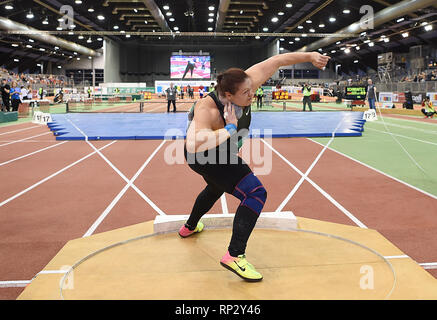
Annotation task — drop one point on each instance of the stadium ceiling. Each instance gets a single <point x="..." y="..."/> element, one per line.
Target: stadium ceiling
<point x="303" y="17"/>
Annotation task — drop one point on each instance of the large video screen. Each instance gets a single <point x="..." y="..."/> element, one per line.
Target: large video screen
<point x="190" y="67"/>
<point x="355" y="93"/>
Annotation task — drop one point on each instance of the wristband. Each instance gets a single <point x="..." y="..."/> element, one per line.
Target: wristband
<point x="232" y="128"/>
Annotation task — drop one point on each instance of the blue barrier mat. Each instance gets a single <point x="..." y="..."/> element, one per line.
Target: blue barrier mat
<point x="109" y="126"/>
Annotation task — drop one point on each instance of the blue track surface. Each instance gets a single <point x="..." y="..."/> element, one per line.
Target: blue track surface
<point x="110" y="126"/>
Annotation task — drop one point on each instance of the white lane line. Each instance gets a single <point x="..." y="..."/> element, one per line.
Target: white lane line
<point x="404" y="256"/>
<point x="120" y="194"/>
<point x="9" y="132"/>
<point x="32" y="153"/>
<point x="428" y="266"/>
<point x="323" y="192"/>
<point x="413" y="121"/>
<point x="38" y="135"/>
<point x="304" y="177"/>
<point x="379" y="171"/>
<point x="51" y="176"/>
<point x="224" y="204"/>
<point x="142" y="195"/>
<point x="14" y="284"/>
<point x="402" y="136"/>
<point x="406" y="127"/>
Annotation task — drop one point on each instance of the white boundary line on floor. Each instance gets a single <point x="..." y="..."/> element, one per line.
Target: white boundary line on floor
<point x="52" y="176"/>
<point x="305" y="176"/>
<point x="16" y="141"/>
<point x="32" y="153"/>
<point x="224" y="204"/>
<point x="14" y="284"/>
<point x="429" y="265"/>
<point x="406" y="127"/>
<point x="374" y="169"/>
<point x="122" y="192"/>
<point x="142" y="195"/>
<point x="402" y="136"/>
<point x="323" y="192"/>
<point x="9" y="132"/>
<point x="411" y="120"/>
<point x="404" y="256"/>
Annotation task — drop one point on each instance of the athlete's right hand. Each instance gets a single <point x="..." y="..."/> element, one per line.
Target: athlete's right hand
<point x="230" y="116"/>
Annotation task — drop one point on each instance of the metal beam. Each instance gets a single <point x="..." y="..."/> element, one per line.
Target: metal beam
<point x="9" y="25"/>
<point x="221" y="14"/>
<point x="157" y="14"/>
<point x="380" y="18"/>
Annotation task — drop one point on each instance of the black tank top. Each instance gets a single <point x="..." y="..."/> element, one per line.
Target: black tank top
<point x="243" y="124"/>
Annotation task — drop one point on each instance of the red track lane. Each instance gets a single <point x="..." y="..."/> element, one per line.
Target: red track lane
<point x="26" y="134"/>
<point x="35" y="226"/>
<point x="18" y="126"/>
<point x="12" y="152"/>
<point x="403" y="215"/>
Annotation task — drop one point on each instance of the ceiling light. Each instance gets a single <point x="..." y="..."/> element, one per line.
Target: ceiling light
<point x="59" y="28"/>
<point x="116" y="27"/>
<point x="128" y="36"/>
<point x="346" y="11"/>
<point x="9" y="7"/>
<point x="61" y="19"/>
<point x="357" y="48"/>
<point x="241" y="11"/>
<point x="275" y="19"/>
<point x="333" y="51"/>
<point x="80" y="37"/>
<point x="282" y="39"/>
<point x="332" y="19"/>
<point x="371" y="44"/>
<point x="257" y="37"/>
<point x="56" y="48"/>
<point x="280" y="13"/>
<point x="210" y="20"/>
<point x="308" y="21"/>
<point x="171" y="19"/>
<point x="77" y="59"/>
<point x="46" y="21"/>
<point x="100" y="17"/>
<point x="31" y="40"/>
<point x="29" y="15"/>
<point x="211" y="14"/>
<point x="312" y="30"/>
<point x="16" y="60"/>
<point x="59" y="67"/>
<point x="211" y="8"/>
<point x="347" y="50"/>
<point x="89" y="40"/>
<point x="15" y="45"/>
<point x="400" y="20"/>
<point x="300" y="27"/>
<point x="166" y="7"/>
<point x="28" y="46"/>
<point x="265" y="29"/>
<point x="42" y="49"/>
<point x="281" y="48"/>
<point x="290" y="42"/>
<point x="78" y="1"/>
<point x="168" y="14"/>
<point x="135" y="10"/>
<point x="405" y="34"/>
<point x="304" y="35"/>
<point x="90" y="10"/>
<point x="297" y="39"/>
<point x="355" y="61"/>
<point x="288" y="5"/>
<point x="321" y="25"/>
<point x="99" y="39"/>
<point x="210" y="29"/>
<point x="338" y="42"/>
<point x="176" y="28"/>
<point x="428" y="27"/>
<point x="367" y="41"/>
<point x="386" y="39"/>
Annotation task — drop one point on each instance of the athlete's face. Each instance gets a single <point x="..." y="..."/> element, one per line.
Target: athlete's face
<point x="244" y="94"/>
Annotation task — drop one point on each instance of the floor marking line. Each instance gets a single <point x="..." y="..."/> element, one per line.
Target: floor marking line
<point x="224" y="204"/>
<point x="14" y="284"/>
<point x="407" y="127"/>
<point x="402" y="136"/>
<point x="379" y="171"/>
<point x="32" y="153"/>
<point x="323" y="192"/>
<point x="428" y="266"/>
<point x="108" y="209"/>
<point x="51" y="176"/>
<point x="150" y="202"/>
<point x="404" y="256"/>
<point x="38" y="135"/>
<point x="311" y="167"/>
<point x="9" y="132"/>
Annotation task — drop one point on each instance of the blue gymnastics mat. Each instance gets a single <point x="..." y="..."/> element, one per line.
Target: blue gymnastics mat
<point x="158" y="126"/>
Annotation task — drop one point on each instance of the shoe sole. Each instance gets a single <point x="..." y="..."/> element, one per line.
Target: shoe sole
<point x="244" y="278"/>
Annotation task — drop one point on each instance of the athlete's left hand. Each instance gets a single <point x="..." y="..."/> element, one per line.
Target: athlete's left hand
<point x="319" y="60"/>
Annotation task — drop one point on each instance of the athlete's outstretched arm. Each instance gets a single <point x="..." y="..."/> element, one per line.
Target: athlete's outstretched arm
<point x="261" y="72"/>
